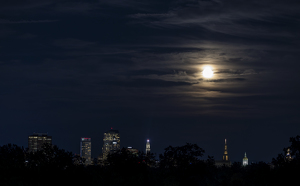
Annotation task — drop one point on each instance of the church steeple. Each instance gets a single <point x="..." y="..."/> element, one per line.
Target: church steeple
<point x="225" y="156"/>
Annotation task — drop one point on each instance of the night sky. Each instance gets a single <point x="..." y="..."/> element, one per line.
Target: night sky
<point x="77" y="68"/>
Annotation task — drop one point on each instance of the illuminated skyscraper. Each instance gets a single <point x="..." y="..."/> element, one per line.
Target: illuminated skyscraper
<point x="225" y="161"/>
<point x="245" y="160"/>
<point x="225" y="156"/>
<point x="37" y="140"/>
<point x="86" y="150"/>
<point x="111" y="142"/>
<point x="148" y="146"/>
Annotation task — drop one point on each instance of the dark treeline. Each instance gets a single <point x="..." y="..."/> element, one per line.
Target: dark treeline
<point x="177" y="166"/>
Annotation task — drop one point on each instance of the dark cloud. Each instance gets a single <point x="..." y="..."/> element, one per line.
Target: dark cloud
<point x="224" y="80"/>
<point x="145" y="72"/>
<point x="260" y="19"/>
<point x="238" y="72"/>
<point x="138" y="83"/>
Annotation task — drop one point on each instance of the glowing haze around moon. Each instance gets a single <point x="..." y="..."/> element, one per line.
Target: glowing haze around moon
<point x="208" y="72"/>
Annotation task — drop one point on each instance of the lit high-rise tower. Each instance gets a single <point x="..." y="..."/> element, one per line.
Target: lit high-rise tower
<point x="225" y="161"/>
<point x="111" y="142"/>
<point x="148" y="146"/>
<point x="86" y="150"/>
<point x="37" y="140"/>
<point x="225" y="156"/>
<point x="245" y="160"/>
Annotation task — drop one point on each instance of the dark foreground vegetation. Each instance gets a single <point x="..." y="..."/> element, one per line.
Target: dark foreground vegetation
<point x="177" y="166"/>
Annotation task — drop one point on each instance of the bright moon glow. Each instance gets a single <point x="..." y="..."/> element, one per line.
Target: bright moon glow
<point x="207" y="72"/>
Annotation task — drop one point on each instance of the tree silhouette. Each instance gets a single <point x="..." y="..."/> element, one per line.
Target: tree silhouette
<point x="181" y="156"/>
<point x="12" y="156"/>
<point x="294" y="149"/>
<point x="286" y="169"/>
<point x="122" y="157"/>
<point x="50" y="157"/>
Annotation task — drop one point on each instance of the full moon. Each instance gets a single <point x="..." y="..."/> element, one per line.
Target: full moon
<point x="208" y="72"/>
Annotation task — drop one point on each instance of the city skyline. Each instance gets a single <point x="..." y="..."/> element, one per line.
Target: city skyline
<point x="110" y="136"/>
<point x="174" y="71"/>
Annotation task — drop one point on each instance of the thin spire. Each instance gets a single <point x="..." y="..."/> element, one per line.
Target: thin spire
<point x="225" y="156"/>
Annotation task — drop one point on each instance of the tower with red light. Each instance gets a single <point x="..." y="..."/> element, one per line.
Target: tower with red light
<point x="86" y="150"/>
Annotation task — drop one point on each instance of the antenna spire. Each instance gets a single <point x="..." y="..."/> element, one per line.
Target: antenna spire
<point x="225" y="156"/>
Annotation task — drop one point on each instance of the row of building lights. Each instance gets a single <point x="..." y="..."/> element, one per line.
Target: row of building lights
<point x="111" y="144"/>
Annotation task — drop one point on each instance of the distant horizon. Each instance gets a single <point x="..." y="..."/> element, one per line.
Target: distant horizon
<point x="157" y="155"/>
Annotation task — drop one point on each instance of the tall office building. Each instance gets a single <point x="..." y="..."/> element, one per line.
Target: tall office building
<point x="37" y="140"/>
<point x="245" y="160"/>
<point x="225" y="161"/>
<point x="111" y="143"/>
<point x="148" y="146"/>
<point x="86" y="150"/>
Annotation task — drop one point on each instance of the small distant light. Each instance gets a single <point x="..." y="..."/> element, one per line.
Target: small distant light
<point x="129" y="147"/>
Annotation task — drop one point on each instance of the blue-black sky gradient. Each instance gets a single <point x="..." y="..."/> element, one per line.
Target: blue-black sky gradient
<point x="77" y="68"/>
